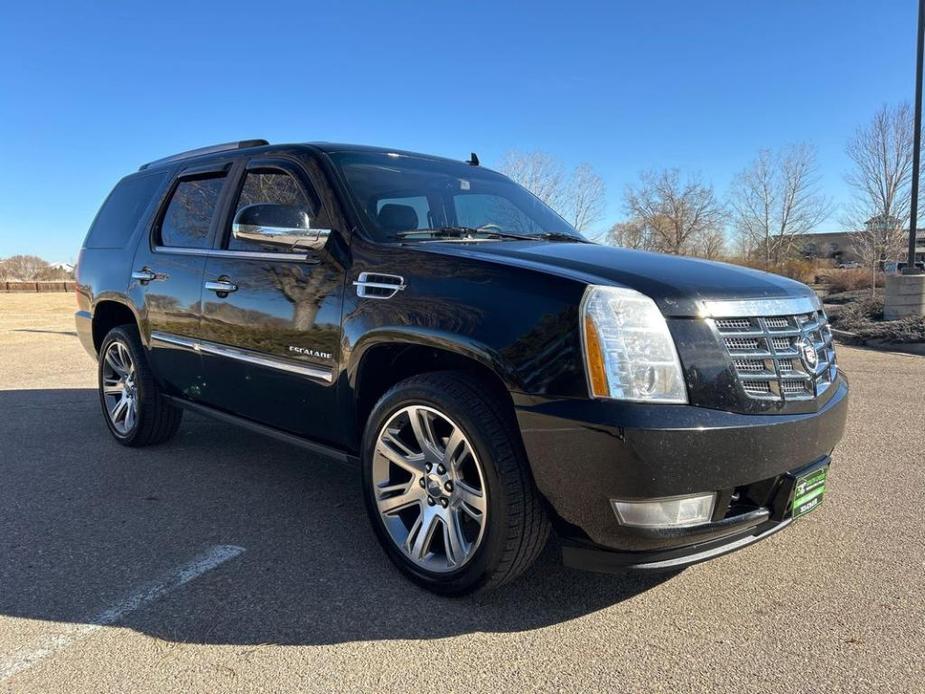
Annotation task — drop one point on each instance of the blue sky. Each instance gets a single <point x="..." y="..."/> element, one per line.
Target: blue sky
<point x="89" y="91"/>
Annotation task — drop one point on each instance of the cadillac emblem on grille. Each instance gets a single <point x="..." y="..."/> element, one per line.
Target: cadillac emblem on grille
<point x="807" y="353"/>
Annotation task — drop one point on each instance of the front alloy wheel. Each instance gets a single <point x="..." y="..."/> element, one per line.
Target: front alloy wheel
<point x="447" y="484"/>
<point x="430" y="489"/>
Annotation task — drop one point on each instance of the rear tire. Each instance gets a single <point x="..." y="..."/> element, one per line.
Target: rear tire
<point x="457" y="413"/>
<point x="134" y="410"/>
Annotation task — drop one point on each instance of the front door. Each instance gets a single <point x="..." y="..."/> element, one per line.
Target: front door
<point x="270" y="330"/>
<point x="167" y="277"/>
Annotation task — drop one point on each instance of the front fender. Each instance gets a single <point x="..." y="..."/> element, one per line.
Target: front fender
<point x="520" y="323"/>
<point x="418" y="336"/>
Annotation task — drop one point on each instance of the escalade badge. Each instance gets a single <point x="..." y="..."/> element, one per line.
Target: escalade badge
<point x="308" y="352"/>
<point x="807" y="353"/>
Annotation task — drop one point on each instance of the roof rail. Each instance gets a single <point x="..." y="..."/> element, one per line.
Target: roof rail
<point x="212" y="149"/>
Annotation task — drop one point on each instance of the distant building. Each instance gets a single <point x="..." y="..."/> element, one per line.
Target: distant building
<point x="839" y="246"/>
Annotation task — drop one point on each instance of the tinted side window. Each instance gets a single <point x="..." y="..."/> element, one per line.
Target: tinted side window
<point x="272" y="187"/>
<point x="122" y="211"/>
<point x="188" y="217"/>
<point x="401" y="219"/>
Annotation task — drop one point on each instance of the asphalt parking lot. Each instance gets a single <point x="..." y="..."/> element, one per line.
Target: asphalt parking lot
<point x="224" y="561"/>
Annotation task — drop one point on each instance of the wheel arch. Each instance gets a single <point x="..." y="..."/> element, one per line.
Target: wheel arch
<point x="107" y="314"/>
<point x="384" y="360"/>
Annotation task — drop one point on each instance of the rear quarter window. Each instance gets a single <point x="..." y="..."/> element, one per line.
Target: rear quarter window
<point x="122" y="210"/>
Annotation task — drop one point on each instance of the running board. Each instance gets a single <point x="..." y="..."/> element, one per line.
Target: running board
<point x="335" y="454"/>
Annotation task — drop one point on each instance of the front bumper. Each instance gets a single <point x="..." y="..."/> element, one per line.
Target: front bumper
<point x="591" y="558"/>
<point x="585" y="452"/>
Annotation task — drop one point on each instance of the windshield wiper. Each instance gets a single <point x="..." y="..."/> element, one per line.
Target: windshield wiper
<point x="458" y="232"/>
<point x="561" y="236"/>
<point x="543" y="235"/>
<point x="450" y="232"/>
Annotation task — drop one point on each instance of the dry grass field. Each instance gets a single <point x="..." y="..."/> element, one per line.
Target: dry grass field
<point x="38" y="344"/>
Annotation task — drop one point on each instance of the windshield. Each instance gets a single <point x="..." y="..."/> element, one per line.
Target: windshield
<point x="396" y="194"/>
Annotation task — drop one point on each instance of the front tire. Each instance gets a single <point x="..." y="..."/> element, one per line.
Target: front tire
<point x="135" y="411"/>
<point x="447" y="485"/>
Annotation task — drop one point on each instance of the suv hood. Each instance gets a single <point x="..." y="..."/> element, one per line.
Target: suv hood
<point x="677" y="284"/>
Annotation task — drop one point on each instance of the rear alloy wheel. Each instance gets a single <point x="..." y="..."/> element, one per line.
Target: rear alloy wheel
<point x="120" y="394"/>
<point x="447" y="484"/>
<point x="135" y="411"/>
<point x="430" y="488"/>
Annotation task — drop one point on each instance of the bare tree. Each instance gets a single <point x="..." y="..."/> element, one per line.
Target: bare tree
<point x="586" y="196"/>
<point x="539" y="172"/>
<point x="743" y="246"/>
<point x="881" y="153"/>
<point x="776" y="199"/>
<point x="678" y="214"/>
<point x="711" y="244"/>
<point x="578" y="197"/>
<point x="881" y="238"/>
<point x="631" y="234"/>
<point x="24" y="268"/>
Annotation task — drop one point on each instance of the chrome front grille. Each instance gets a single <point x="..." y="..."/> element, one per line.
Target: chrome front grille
<point x="732" y="323"/>
<point x="773" y="354"/>
<point x="782" y="344"/>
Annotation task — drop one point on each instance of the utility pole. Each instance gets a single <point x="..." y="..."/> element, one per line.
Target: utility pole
<point x="916" y="144"/>
<point x="905" y="293"/>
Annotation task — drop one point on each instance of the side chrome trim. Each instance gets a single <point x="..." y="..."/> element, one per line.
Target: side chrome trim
<point x="174" y="340"/>
<point x="251" y="255"/>
<point x="748" y="308"/>
<point x="319" y="373"/>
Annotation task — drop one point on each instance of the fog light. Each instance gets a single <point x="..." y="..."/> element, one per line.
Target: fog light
<point x="670" y="512"/>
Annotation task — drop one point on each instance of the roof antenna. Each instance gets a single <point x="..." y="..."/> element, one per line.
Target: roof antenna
<point x="473" y="159"/>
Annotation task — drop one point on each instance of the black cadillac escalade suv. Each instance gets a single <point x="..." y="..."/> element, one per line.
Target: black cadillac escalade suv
<point x="491" y="373"/>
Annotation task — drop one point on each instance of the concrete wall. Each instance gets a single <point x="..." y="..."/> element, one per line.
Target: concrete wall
<point x="905" y="296"/>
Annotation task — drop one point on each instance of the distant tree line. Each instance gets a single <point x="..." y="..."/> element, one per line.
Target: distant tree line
<point x="31" y="268"/>
<point x="763" y="217"/>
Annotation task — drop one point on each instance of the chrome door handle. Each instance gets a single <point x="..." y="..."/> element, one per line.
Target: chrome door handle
<point x="221" y="287"/>
<point x="144" y="275"/>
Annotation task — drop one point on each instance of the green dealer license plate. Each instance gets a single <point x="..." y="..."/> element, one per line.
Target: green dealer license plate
<point x="808" y="492"/>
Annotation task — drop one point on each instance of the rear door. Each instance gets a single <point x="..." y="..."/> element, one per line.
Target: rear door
<point x="271" y="317"/>
<point x="167" y="274"/>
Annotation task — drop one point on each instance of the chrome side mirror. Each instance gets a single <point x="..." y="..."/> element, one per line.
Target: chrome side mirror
<point x="284" y="226"/>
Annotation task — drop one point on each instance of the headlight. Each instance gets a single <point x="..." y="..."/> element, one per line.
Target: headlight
<point x="629" y="353"/>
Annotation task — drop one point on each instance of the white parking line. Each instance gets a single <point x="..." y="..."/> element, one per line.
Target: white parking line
<point x="215" y="556"/>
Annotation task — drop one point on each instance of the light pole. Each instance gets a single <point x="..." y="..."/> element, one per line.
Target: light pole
<point x="905" y="293"/>
<point x="916" y="144"/>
